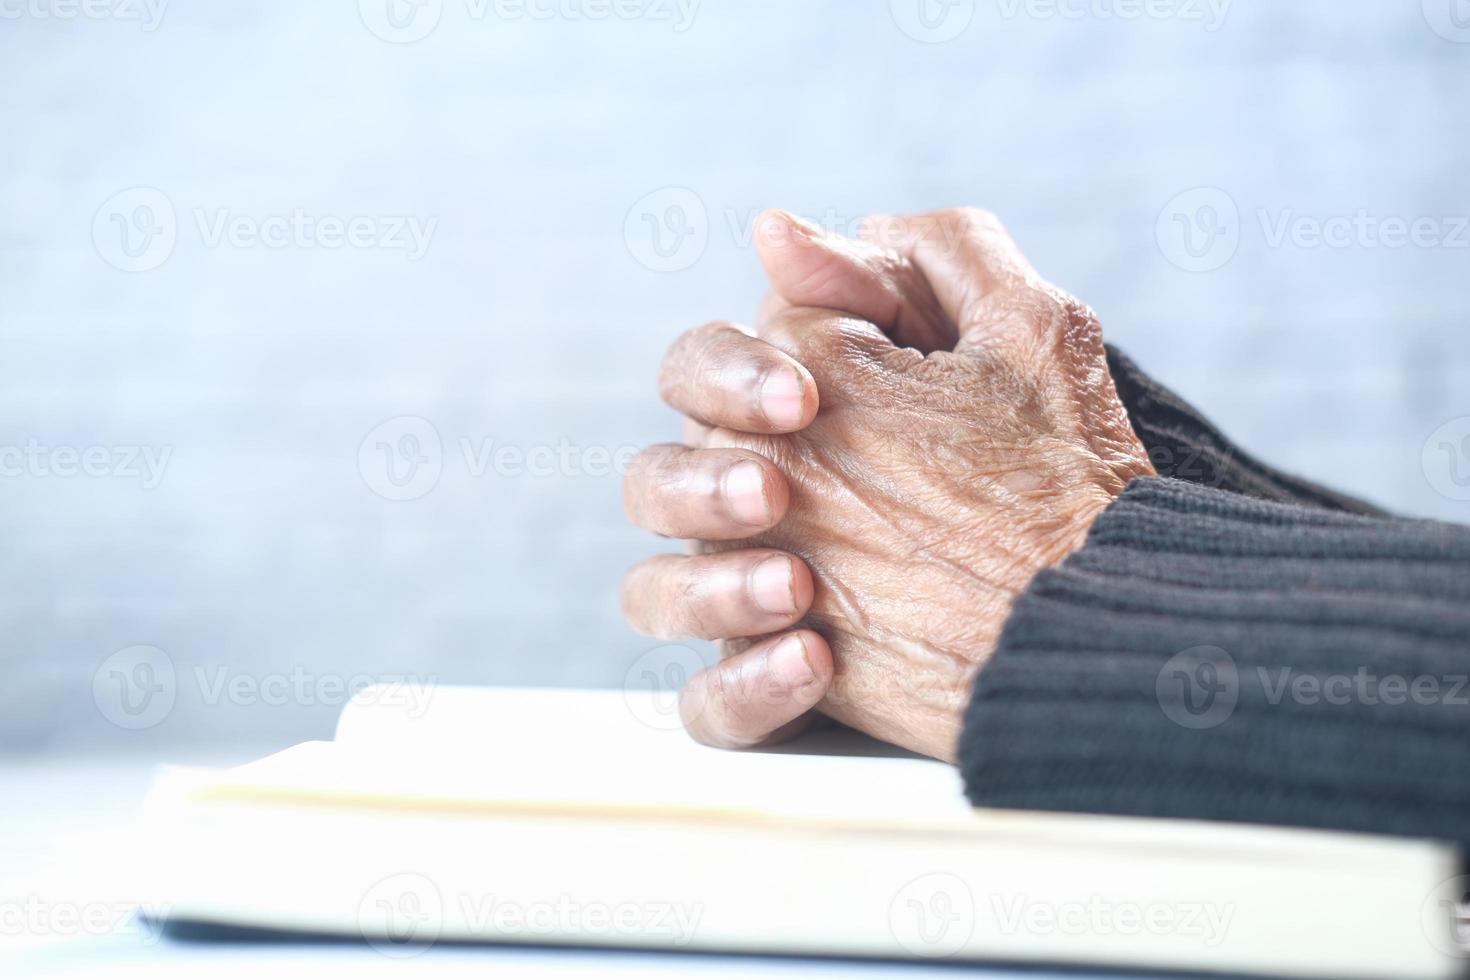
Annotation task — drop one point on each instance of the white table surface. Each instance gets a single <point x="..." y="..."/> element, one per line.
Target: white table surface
<point x="65" y="848"/>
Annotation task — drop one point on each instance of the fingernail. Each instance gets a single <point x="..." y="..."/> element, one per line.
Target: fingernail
<point x="789" y="663"/>
<point x="744" y="487"/>
<point x="770" y="584"/>
<point x="780" y="398"/>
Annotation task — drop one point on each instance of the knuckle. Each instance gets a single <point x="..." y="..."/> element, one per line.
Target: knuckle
<point x="714" y="330"/>
<point x="903" y="360"/>
<point x="815" y="335"/>
<point x="690" y="600"/>
<point x="708" y="364"/>
<point x="685" y="355"/>
<point x="878" y="227"/>
<point x="645" y="476"/>
<point x="971" y="218"/>
<point x="954" y="229"/>
<point x="645" y="460"/>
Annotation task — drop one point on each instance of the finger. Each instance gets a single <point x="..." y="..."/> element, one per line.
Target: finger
<point x="841" y="351"/>
<point x="810" y="267"/>
<point x="714" y="494"/>
<point x="712" y="597"/>
<point x="977" y="272"/>
<point x="723" y="377"/>
<point x="761" y="696"/>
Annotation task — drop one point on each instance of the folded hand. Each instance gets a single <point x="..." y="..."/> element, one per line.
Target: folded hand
<point x="897" y="523"/>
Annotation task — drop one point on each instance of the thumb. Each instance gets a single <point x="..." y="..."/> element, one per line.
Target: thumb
<point x="981" y="280"/>
<point x="809" y="267"/>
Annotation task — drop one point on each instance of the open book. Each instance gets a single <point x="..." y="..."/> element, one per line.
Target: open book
<point x="589" y="818"/>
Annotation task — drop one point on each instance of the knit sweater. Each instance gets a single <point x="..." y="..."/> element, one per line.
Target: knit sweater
<point x="1235" y="644"/>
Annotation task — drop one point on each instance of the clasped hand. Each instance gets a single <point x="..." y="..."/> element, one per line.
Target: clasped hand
<point x="916" y="426"/>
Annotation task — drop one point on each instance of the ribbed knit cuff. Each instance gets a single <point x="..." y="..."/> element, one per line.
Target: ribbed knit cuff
<point x="1183" y="445"/>
<point x="1211" y="656"/>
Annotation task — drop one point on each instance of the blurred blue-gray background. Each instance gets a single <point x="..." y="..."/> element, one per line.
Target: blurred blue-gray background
<point x="326" y="326"/>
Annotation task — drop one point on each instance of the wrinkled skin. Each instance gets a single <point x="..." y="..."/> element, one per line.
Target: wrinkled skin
<point x="932" y="485"/>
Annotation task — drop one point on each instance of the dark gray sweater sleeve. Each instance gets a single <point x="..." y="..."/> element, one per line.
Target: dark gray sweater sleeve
<point x="1184" y="445"/>
<point x="1209" y="655"/>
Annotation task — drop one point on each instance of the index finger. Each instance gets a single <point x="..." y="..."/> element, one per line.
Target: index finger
<point x="725" y="378"/>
